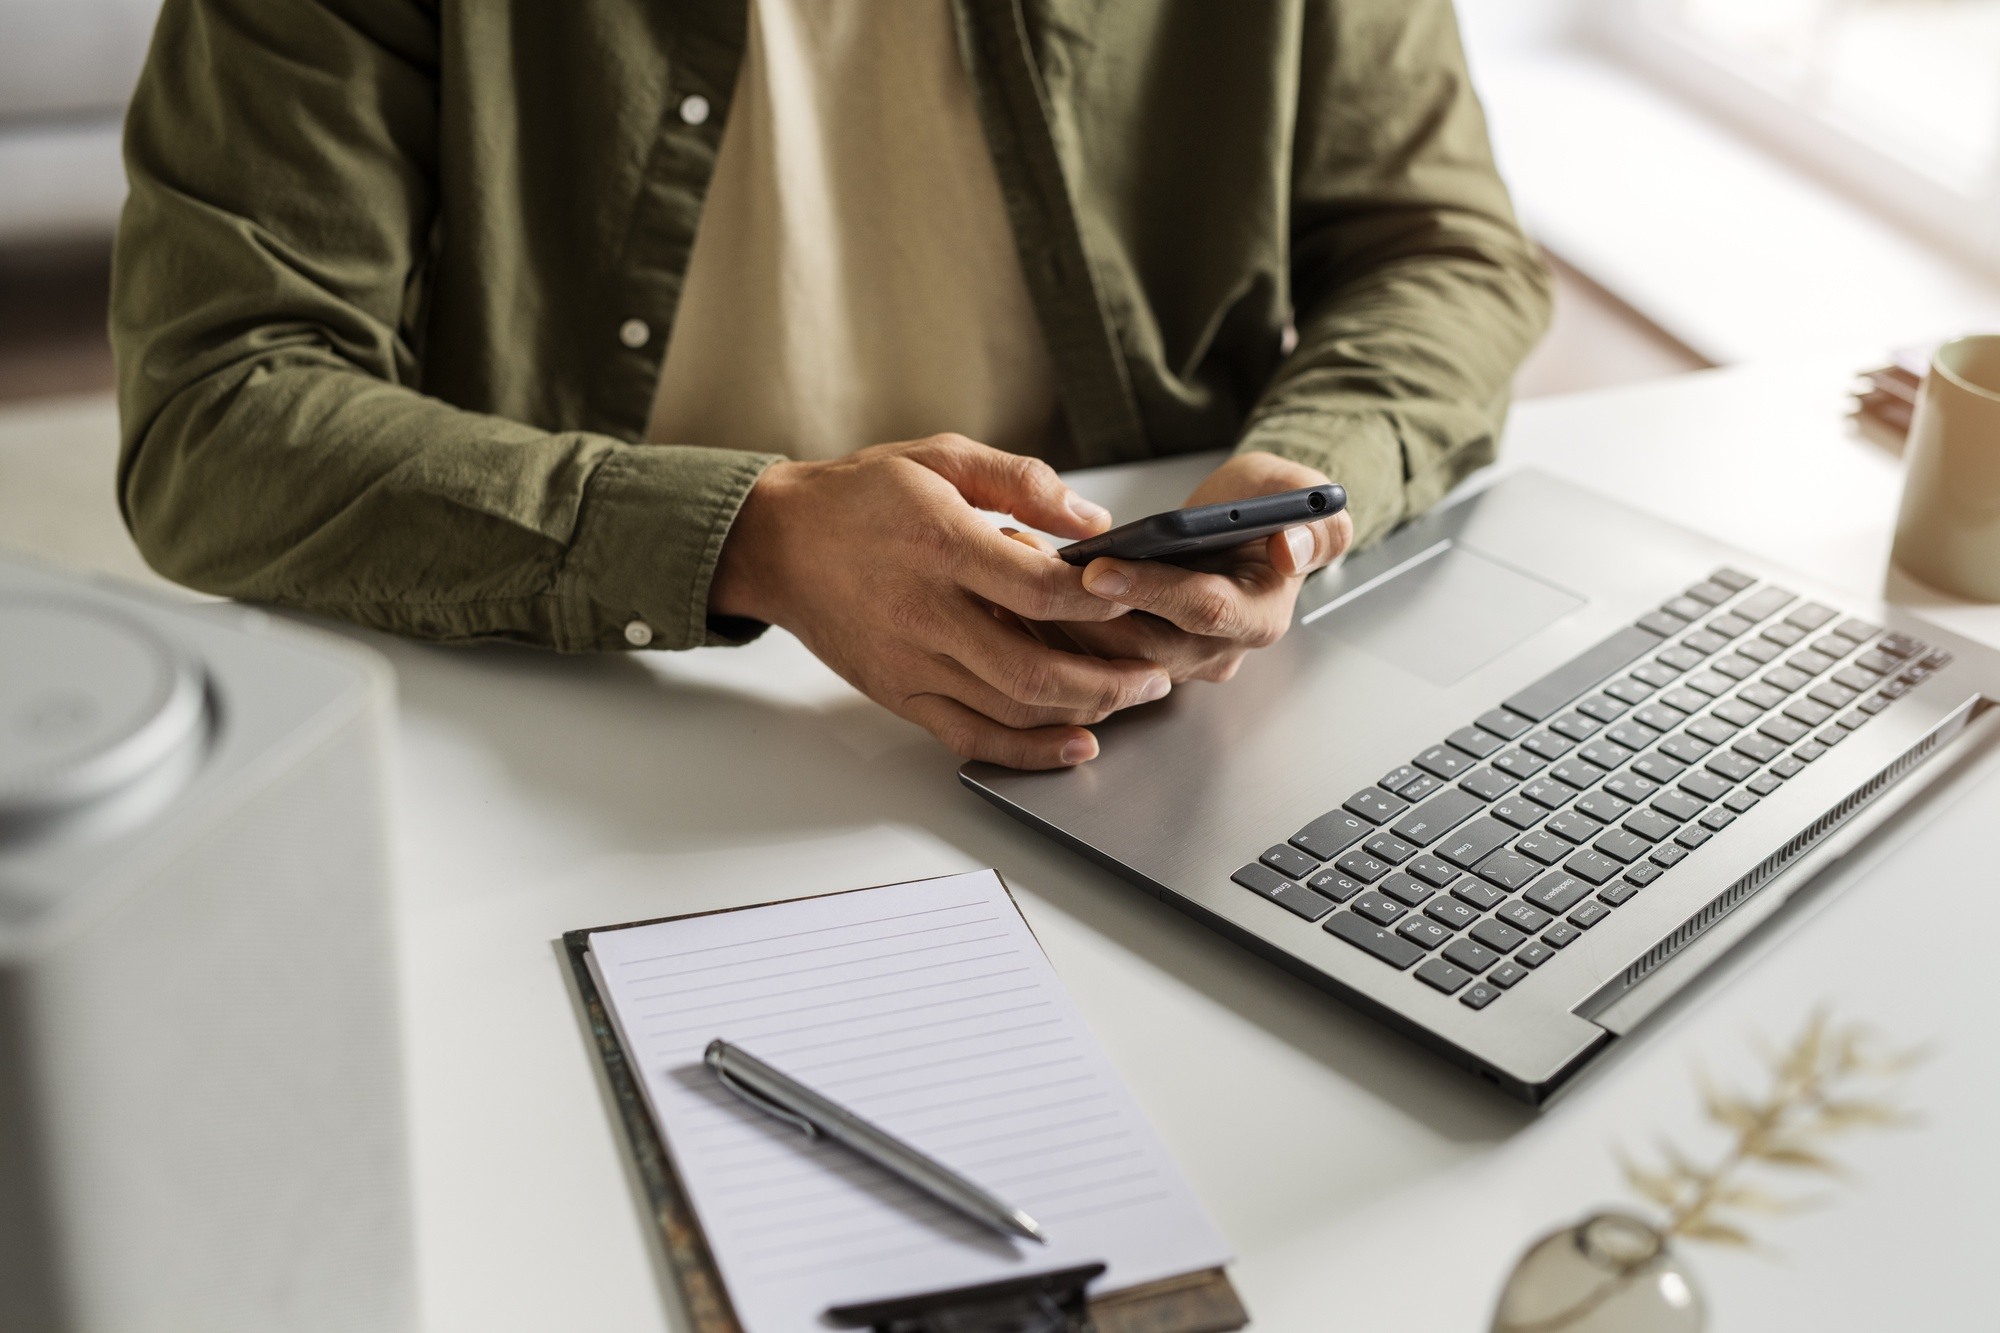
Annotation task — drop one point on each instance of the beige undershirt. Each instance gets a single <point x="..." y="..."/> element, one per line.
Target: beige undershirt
<point x="854" y="279"/>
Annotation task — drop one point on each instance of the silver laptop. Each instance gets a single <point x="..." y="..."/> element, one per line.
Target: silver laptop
<point x="1522" y="771"/>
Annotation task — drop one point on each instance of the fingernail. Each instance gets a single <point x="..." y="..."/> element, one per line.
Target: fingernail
<point x="1079" y="750"/>
<point x="1156" y="688"/>
<point x="1300" y="543"/>
<point x="1084" y="509"/>
<point x="1108" y="583"/>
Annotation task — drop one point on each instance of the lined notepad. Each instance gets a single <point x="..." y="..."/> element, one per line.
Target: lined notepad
<point x="929" y="1009"/>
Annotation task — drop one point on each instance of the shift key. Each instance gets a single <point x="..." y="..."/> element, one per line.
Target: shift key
<point x="1437" y="816"/>
<point x="1468" y="845"/>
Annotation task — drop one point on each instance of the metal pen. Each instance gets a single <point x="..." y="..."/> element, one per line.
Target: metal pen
<point x="789" y="1100"/>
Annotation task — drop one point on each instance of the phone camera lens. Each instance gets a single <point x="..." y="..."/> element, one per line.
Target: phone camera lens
<point x="1315" y="502"/>
<point x="1232" y="516"/>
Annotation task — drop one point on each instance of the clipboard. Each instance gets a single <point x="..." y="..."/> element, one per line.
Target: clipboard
<point x="1057" y="1302"/>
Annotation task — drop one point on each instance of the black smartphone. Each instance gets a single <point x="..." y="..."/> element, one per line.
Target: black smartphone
<point x="1181" y="533"/>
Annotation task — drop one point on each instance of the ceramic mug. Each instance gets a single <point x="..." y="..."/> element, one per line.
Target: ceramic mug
<point x="1948" y="533"/>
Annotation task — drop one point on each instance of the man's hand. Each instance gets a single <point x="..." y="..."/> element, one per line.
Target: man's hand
<point x="1203" y="620"/>
<point x="882" y="566"/>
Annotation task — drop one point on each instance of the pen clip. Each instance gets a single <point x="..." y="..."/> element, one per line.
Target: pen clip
<point x="761" y="1102"/>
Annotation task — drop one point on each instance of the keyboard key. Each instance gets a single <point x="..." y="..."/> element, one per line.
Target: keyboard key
<point x="1858" y="630"/>
<point x="1808" y="711"/>
<point x="1439" y="815"/>
<point x="1378" y="909"/>
<point x="1548" y="696"/>
<point x="1557" y="893"/>
<point x="1398" y="954"/>
<point x="1486" y="784"/>
<point x="1715" y="594"/>
<point x="1330" y="834"/>
<point x="1520" y="814"/>
<point x="1422" y="932"/>
<point x="1735" y="580"/>
<point x="1900" y="645"/>
<point x="1831" y="737"/>
<point x="1693" y="836"/>
<point x="1684" y="700"/>
<point x="1497" y="935"/>
<point x="1811" y="616"/>
<point x="1477" y="893"/>
<point x="1761" y="651"/>
<point x="1874" y="704"/>
<point x="1549" y="794"/>
<point x="1634" y="735"/>
<point x="1406" y="889"/>
<point x="1707" y="786"/>
<point x="1740" y="801"/>
<point x="1852" y="721"/>
<point x="1474" y="958"/>
<point x="1718" y="819"/>
<point x="1737" y="712"/>
<point x="1729" y="626"/>
<point x="1548" y="745"/>
<point x="1658" y="767"/>
<point x="1603" y="754"/>
<point x="1544" y="846"/>
<point x="1765" y="783"/>
<point x="1877" y="661"/>
<point x="1764" y="604"/>
<point x="1602" y="707"/>
<point x="1621" y="846"/>
<point x="1397" y="778"/>
<point x="1651" y="825"/>
<point x="1629" y="688"/>
<point x="1575" y="773"/>
<point x="1533" y="954"/>
<point x="1523" y="915"/>
<point x="1760" y="749"/>
<point x="1679" y="805"/>
<point x="1443" y="761"/>
<point x="1466" y="846"/>
<point x="1603" y="807"/>
<point x="1375" y="805"/>
<point x="1833" y="646"/>
<point x="1808" y="662"/>
<point x="1761" y="696"/>
<point x="1687" y="608"/>
<point x="1576" y="726"/>
<point x="1680" y="658"/>
<point x="1418" y="787"/>
<point x="1782" y="730"/>
<point x="1362" y="866"/>
<point x="1785" y="636"/>
<point x="1577" y="828"/>
<point x="1657" y="674"/>
<point x="1786" y="678"/>
<point x="1731" y="765"/>
<point x="1519" y="764"/>
<point x="1854" y="678"/>
<point x="1450" y="912"/>
<point x="1711" y="683"/>
<point x="1705" y="642"/>
<point x="1474" y="742"/>
<point x="1507" y="726"/>
<point x="1268" y="883"/>
<point x="1289" y="861"/>
<point x="1432" y="871"/>
<point x="1833" y="695"/>
<point x="1631" y="787"/>
<point x="1663" y="623"/>
<point x="1622" y="891"/>
<point x="1561" y="935"/>
<point x="1335" y="885"/>
<point x="1687" y="749"/>
<point x="1388" y="847"/>
<point x="1588" y="915"/>
<point x="1591" y="866"/>
<point x="1668" y="857"/>
<point x="1788" y="767"/>
<point x="1735" y="666"/>
<point x="1712" y="729"/>
<point x="1440" y="975"/>
<point x="1479" y="996"/>
<point x="1507" y="869"/>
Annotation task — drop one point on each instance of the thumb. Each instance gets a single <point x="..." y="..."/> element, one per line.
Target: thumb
<point x="1309" y="546"/>
<point x="1027" y="488"/>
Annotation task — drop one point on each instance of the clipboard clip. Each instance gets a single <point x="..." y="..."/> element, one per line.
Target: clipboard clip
<point x="1055" y="1302"/>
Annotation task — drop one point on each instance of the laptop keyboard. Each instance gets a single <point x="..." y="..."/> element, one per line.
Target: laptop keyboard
<point x="1478" y="860"/>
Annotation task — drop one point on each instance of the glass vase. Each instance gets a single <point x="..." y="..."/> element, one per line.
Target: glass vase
<point x="1610" y="1273"/>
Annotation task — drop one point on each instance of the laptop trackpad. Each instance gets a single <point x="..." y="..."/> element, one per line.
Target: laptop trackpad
<point x="1445" y="616"/>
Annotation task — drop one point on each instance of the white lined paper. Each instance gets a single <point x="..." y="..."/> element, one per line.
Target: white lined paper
<point x="929" y="1009"/>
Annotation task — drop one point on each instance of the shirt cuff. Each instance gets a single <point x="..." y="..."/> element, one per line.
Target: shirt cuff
<point x="648" y="536"/>
<point x="1361" y="451"/>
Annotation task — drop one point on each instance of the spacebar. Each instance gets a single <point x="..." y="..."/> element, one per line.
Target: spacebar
<point x="1540" y="701"/>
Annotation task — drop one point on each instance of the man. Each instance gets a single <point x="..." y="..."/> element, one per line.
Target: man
<point x="568" y="323"/>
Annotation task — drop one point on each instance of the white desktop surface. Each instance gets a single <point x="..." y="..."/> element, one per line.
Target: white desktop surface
<point x="1364" y="1184"/>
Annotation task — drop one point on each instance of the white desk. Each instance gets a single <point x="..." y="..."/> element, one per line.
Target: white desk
<point x="541" y="793"/>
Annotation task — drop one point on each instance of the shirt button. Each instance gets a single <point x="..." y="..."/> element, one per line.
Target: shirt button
<point x="694" y="109"/>
<point x="634" y="333"/>
<point x="638" y="633"/>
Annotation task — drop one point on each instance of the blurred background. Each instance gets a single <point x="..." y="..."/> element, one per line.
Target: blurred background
<point x="1714" y="181"/>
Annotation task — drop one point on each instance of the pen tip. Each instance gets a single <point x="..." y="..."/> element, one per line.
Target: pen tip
<point x="1030" y="1228"/>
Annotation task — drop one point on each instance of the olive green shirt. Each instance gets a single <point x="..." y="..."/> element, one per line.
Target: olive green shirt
<point x="395" y="279"/>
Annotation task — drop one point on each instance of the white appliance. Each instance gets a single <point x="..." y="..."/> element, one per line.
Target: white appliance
<point x="201" y="1100"/>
